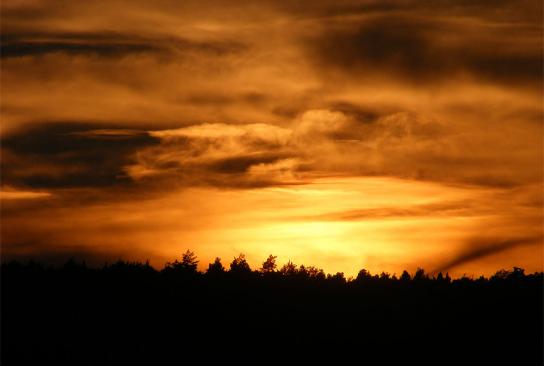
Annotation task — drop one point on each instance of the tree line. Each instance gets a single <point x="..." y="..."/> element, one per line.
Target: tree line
<point x="132" y="313"/>
<point x="187" y="267"/>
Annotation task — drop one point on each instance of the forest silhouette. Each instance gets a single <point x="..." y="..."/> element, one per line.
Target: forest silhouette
<point x="131" y="313"/>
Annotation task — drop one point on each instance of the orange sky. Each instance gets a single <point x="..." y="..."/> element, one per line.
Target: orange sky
<point x="346" y="134"/>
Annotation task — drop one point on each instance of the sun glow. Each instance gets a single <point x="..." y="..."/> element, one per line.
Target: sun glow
<point x="340" y="224"/>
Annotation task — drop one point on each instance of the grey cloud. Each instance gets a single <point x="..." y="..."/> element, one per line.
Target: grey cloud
<point x="241" y="164"/>
<point x="362" y="113"/>
<point x="214" y="155"/>
<point x="437" y="209"/>
<point x="220" y="99"/>
<point x="478" y="248"/>
<point x="403" y="145"/>
<point x="57" y="155"/>
<point x="421" y="49"/>
<point x="108" y="44"/>
<point x="505" y="11"/>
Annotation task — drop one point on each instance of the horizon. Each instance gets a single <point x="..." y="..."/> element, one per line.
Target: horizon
<point x="280" y="268"/>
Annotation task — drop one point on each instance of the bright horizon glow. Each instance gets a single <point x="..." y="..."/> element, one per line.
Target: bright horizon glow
<point x="338" y="224"/>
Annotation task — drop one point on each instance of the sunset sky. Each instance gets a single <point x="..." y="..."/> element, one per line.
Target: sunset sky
<point x="344" y="134"/>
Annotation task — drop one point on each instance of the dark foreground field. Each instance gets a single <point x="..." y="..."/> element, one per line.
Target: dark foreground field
<point x="129" y="313"/>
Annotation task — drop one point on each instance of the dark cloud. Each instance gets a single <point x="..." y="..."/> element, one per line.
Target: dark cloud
<point x="115" y="49"/>
<point x="107" y="44"/>
<point x="484" y="247"/>
<point x="457" y="208"/>
<point x="85" y="155"/>
<point x="57" y="155"/>
<point x="421" y="49"/>
<point x="230" y="172"/>
<point x="526" y="11"/>
<point x="221" y="99"/>
<point x="361" y="113"/>
<point x="241" y="164"/>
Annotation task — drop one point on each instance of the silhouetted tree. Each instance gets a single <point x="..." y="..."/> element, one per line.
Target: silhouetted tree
<point x="405" y="276"/>
<point x="420" y="275"/>
<point x="187" y="265"/>
<point x="289" y="269"/>
<point x="503" y="274"/>
<point x="315" y="273"/>
<point x="517" y="273"/>
<point x="302" y="272"/>
<point x="269" y="265"/>
<point x="384" y="276"/>
<point x="363" y="275"/>
<point x="129" y="268"/>
<point x="239" y="265"/>
<point x="189" y="261"/>
<point x="71" y="265"/>
<point x="338" y="278"/>
<point x="215" y="268"/>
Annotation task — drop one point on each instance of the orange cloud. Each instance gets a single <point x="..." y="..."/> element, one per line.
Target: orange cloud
<point x="263" y="128"/>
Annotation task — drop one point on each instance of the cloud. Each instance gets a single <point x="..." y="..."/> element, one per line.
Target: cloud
<point x="60" y="155"/>
<point x="9" y="193"/>
<point x="478" y="248"/>
<point x="215" y="154"/>
<point x="422" y="49"/>
<point x="430" y="210"/>
<point x="323" y="142"/>
<point x="503" y="10"/>
<point x="107" y="44"/>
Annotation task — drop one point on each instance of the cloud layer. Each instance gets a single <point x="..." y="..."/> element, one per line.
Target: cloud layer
<point x="113" y="103"/>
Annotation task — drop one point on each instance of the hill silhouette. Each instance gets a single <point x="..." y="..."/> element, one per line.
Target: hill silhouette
<point x="131" y="313"/>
